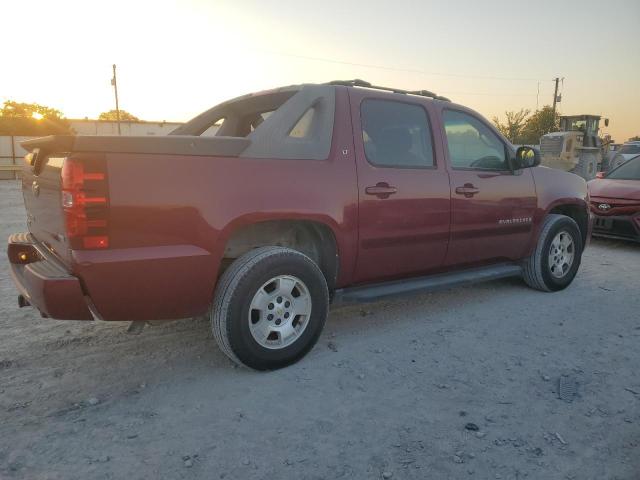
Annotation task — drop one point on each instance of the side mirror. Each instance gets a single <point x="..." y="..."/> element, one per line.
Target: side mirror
<point x="606" y="122"/>
<point x="526" y="157"/>
<point x="600" y="174"/>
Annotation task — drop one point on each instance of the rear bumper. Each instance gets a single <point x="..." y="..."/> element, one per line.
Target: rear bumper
<point x="44" y="282"/>
<point x="148" y="283"/>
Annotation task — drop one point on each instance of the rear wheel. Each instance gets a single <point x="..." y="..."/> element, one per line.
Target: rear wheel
<point x="269" y="308"/>
<point x="556" y="258"/>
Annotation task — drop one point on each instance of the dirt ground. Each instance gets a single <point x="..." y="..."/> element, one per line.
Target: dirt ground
<point x="452" y="385"/>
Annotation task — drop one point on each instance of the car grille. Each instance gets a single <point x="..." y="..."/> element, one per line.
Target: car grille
<point x="614" y="226"/>
<point x="551" y="145"/>
<point x="615" y="206"/>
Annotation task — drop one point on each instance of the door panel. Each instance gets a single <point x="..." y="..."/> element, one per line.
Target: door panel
<point x="403" y="187"/>
<point x="494" y="223"/>
<point x="492" y="206"/>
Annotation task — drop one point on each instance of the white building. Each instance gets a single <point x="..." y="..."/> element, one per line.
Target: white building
<point x="108" y="127"/>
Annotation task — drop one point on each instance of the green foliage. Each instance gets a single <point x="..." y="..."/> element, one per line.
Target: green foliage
<point x="540" y="123"/>
<point x="514" y="125"/>
<point x="32" y="119"/>
<point x="520" y="128"/>
<point x="11" y="109"/>
<point x="125" y="116"/>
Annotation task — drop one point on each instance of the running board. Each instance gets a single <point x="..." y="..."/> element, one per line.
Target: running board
<point x="431" y="283"/>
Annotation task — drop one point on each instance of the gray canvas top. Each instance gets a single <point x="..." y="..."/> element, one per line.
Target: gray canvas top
<point x="175" y="145"/>
<point x="271" y="137"/>
<point x="244" y="132"/>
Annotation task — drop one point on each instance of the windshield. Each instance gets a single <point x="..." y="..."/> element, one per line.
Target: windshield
<point x="627" y="171"/>
<point x="630" y="149"/>
<point x="578" y="125"/>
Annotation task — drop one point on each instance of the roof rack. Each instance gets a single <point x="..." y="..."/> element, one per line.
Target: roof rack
<point x="361" y="83"/>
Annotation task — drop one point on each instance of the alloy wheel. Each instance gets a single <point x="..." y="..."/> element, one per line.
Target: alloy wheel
<point x="279" y="312"/>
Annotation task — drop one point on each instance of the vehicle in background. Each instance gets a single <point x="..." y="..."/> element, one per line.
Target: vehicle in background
<point x="626" y="152"/>
<point x="610" y="153"/>
<point x="615" y="202"/>
<point x="303" y="195"/>
<point x="576" y="148"/>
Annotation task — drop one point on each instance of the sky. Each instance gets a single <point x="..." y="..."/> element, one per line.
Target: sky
<point x="178" y="58"/>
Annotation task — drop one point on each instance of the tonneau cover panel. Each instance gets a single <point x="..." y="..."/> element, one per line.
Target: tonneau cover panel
<point x="171" y="144"/>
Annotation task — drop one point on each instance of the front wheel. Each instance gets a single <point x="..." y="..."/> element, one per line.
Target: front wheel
<point x="556" y="258"/>
<point x="269" y="308"/>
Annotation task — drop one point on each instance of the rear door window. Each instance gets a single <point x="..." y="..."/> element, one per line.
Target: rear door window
<point x="396" y="134"/>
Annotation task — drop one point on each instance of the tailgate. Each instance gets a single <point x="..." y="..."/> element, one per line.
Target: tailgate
<point x="66" y="196"/>
<point x="41" y="189"/>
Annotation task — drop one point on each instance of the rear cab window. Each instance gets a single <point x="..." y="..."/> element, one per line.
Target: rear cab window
<point x="396" y="134"/>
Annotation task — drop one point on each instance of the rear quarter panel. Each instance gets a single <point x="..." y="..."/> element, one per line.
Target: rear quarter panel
<point x="171" y="217"/>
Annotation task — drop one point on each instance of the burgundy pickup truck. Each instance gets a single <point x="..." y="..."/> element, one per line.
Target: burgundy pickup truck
<point x="267" y="208"/>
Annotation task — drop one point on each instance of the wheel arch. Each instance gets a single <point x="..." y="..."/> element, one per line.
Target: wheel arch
<point x="579" y="212"/>
<point x="315" y="238"/>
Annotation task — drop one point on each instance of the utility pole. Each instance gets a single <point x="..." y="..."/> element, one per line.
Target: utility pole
<point x="114" y="82"/>
<point x="555" y="96"/>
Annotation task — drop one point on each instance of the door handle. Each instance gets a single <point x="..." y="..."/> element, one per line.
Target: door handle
<point x="468" y="190"/>
<point x="381" y="190"/>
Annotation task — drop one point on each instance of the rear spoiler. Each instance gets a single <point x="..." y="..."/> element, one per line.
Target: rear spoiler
<point x="59" y="143"/>
<point x="169" y="145"/>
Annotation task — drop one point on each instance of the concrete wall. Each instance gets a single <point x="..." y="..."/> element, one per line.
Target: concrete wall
<point x="11" y="153"/>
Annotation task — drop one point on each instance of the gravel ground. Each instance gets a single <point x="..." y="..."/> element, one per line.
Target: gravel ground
<point x="450" y="385"/>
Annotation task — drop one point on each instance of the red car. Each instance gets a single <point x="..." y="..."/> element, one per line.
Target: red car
<point x="615" y="202"/>
<point x="267" y="208"/>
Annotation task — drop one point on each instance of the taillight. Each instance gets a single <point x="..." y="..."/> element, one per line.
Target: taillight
<point x="85" y="202"/>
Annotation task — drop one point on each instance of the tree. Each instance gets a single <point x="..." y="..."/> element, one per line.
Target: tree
<point x="11" y="109"/>
<point x="635" y="139"/>
<point x="112" y="115"/>
<point x="540" y="123"/>
<point x="32" y="119"/>
<point x="514" y="126"/>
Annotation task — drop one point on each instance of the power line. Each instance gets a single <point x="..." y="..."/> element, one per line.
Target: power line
<point x="489" y="94"/>
<point x="398" y="69"/>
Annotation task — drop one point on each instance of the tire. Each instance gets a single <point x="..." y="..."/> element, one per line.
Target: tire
<point x="255" y="322"/>
<point x="541" y="270"/>
<point x="587" y="167"/>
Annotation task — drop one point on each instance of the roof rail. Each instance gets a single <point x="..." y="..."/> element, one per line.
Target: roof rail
<point x="362" y="83"/>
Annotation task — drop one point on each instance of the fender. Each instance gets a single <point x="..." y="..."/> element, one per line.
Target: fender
<point x="556" y="189"/>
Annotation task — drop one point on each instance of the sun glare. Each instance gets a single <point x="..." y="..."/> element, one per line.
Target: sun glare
<point x="37" y="116"/>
